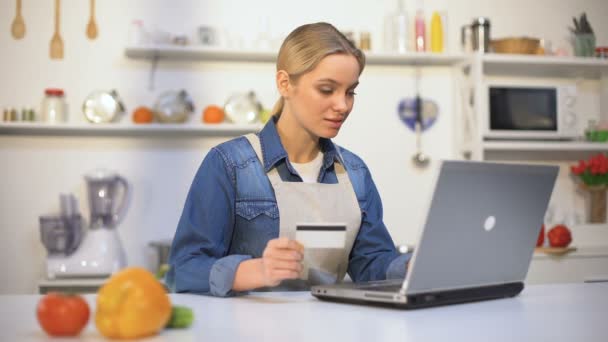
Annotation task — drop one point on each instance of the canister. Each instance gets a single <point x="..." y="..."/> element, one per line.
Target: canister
<point x="481" y="34"/>
<point x="466" y="38"/>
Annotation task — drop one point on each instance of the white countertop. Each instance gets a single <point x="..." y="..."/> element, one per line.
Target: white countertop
<point x="580" y="252"/>
<point x="565" y="312"/>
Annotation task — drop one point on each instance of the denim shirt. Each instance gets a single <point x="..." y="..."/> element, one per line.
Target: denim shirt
<point x="231" y="213"/>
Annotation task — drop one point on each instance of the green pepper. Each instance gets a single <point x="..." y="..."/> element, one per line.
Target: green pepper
<point x="181" y="317"/>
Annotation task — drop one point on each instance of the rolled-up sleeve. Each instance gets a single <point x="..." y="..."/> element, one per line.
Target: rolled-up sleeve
<point x="198" y="259"/>
<point x="397" y="269"/>
<point x="222" y="274"/>
<point x="374" y="256"/>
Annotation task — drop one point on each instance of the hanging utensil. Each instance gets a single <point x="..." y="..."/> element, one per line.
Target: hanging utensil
<point x="92" y="25"/>
<point x="419" y="158"/>
<point x="18" y="26"/>
<point x="56" y="42"/>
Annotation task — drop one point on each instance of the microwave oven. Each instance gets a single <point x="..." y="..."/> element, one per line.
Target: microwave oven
<point x="532" y="111"/>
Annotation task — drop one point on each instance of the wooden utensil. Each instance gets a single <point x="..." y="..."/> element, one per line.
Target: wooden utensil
<point x="18" y="27"/>
<point x="92" y="25"/>
<point x="56" y="42"/>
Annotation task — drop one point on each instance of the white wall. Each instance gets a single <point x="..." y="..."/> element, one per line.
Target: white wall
<point x="36" y="169"/>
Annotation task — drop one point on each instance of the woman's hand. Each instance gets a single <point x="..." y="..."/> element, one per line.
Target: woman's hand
<point x="282" y="259"/>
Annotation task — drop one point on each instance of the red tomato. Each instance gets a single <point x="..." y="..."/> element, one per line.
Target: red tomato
<point x="559" y="236"/>
<point x="541" y="237"/>
<point x="62" y="314"/>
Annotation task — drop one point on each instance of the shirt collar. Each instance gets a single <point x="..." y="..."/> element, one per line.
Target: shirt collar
<point x="273" y="151"/>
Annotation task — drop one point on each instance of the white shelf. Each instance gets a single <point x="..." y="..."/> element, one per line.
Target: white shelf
<point x="198" y="53"/>
<point x="194" y="52"/>
<point x="545" y="146"/>
<point x="121" y="129"/>
<point x="543" y="66"/>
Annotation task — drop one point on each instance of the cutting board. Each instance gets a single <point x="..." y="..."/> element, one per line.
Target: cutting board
<point x="555" y="250"/>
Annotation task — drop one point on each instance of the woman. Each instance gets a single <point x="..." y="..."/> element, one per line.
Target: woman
<point x="237" y="229"/>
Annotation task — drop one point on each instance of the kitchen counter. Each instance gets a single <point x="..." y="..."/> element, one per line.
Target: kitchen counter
<point x="558" y="312"/>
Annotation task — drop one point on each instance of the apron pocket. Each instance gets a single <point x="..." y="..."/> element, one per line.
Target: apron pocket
<point x="252" y="209"/>
<point x="256" y="223"/>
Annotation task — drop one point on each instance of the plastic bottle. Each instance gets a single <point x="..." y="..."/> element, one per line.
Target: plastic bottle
<point x="396" y="30"/>
<point x="137" y="33"/>
<point x="420" y="44"/>
<point x="436" y="33"/>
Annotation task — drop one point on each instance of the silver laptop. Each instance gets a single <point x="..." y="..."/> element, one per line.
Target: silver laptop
<point x="477" y="243"/>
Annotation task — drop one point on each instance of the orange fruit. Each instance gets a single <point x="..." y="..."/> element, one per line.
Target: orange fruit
<point x="143" y="115"/>
<point x="213" y="114"/>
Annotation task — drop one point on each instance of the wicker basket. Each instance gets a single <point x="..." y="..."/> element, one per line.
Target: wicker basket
<point x="522" y="45"/>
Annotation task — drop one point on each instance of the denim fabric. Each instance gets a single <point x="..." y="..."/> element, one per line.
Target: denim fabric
<point x="231" y="213"/>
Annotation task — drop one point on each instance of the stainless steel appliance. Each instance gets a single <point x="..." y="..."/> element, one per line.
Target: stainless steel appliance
<point x="480" y="29"/>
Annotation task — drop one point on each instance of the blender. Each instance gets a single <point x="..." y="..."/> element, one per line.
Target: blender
<point x="100" y="253"/>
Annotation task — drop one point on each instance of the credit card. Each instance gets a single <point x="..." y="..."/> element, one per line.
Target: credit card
<point x="317" y="235"/>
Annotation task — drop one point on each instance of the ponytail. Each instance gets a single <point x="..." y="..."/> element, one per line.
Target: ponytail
<point x="278" y="107"/>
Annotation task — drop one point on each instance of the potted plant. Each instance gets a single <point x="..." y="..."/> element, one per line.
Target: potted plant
<point x="592" y="174"/>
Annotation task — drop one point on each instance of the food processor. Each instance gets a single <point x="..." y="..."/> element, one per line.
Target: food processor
<point x="100" y="252"/>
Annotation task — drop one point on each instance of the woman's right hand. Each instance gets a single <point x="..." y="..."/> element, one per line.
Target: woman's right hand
<point x="282" y="259"/>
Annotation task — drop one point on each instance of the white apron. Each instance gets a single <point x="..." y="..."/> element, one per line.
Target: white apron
<point x="316" y="203"/>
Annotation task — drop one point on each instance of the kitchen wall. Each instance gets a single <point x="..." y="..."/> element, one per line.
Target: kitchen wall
<point x="35" y="169"/>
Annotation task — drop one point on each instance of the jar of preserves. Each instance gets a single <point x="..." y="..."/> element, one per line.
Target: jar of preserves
<point x="53" y="108"/>
<point x="601" y="52"/>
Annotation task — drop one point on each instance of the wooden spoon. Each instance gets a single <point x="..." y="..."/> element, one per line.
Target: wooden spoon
<point x="18" y="27"/>
<point x="56" y="42"/>
<point x="92" y="25"/>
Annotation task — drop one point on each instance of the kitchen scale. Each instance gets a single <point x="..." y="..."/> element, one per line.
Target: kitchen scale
<point x="100" y="252"/>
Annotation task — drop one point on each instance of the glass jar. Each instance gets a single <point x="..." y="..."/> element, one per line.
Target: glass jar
<point x="53" y="108"/>
<point x="365" y="41"/>
<point x="601" y="52"/>
<point x="102" y="106"/>
<point x="173" y="106"/>
<point x="243" y="108"/>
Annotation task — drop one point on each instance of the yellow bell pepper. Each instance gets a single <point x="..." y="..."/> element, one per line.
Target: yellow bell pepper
<point x="132" y="304"/>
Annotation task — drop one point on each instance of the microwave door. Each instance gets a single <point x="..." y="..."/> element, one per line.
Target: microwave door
<point x="522" y="113"/>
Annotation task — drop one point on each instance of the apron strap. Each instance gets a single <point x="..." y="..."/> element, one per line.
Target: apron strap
<point x="341" y="173"/>
<point x="254" y="140"/>
<point x="273" y="174"/>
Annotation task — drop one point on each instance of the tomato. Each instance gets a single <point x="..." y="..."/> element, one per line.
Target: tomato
<point x="62" y="314"/>
<point x="541" y="237"/>
<point x="559" y="236"/>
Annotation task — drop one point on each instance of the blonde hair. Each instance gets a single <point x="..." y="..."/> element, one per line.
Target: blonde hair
<point x="306" y="46"/>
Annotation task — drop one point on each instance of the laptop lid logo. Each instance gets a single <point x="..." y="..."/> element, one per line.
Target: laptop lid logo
<point x="490" y="223"/>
